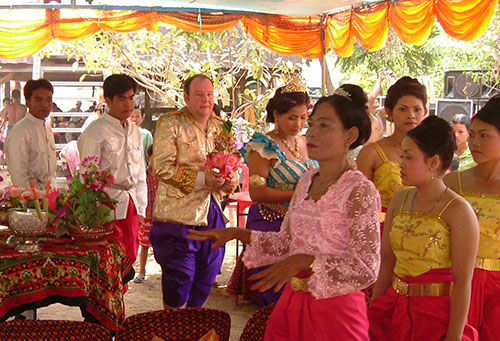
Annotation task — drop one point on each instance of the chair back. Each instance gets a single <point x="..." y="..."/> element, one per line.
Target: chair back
<point x="175" y="324"/>
<point x="45" y="330"/>
<point x="255" y="329"/>
<point x="245" y="185"/>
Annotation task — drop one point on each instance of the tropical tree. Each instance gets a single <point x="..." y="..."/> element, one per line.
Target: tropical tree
<point x="244" y="72"/>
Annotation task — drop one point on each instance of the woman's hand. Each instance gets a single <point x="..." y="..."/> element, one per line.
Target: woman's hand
<point x="230" y="182"/>
<point x="281" y="273"/>
<point x="220" y="236"/>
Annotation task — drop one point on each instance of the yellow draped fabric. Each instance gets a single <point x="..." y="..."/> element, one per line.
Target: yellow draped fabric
<point x="24" y="32"/>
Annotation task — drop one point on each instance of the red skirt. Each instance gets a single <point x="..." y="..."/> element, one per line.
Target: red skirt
<point x="127" y="231"/>
<point x="484" y="312"/>
<point x="398" y="317"/>
<point x="300" y="316"/>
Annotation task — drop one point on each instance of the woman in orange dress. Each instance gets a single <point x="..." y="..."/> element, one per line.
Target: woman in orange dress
<point x="480" y="186"/>
<point x="429" y="247"/>
<point x="405" y="106"/>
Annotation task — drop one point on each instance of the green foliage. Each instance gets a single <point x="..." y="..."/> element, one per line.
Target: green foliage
<point x="161" y="60"/>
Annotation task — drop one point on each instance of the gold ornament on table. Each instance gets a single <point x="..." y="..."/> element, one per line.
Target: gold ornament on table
<point x="296" y="85"/>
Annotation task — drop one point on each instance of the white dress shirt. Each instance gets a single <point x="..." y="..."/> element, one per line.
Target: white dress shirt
<point x="118" y="147"/>
<point x="31" y="153"/>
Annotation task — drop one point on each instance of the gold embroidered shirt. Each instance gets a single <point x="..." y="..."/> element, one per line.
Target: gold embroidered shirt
<point x="179" y="153"/>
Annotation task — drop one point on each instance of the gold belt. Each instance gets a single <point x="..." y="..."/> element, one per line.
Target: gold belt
<point x="299" y="284"/>
<point x="490" y="264"/>
<point x="382" y="217"/>
<point x="422" y="289"/>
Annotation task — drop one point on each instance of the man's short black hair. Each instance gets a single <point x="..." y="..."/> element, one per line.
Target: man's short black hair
<point x="16" y="93"/>
<point x="118" y="84"/>
<point x="33" y="85"/>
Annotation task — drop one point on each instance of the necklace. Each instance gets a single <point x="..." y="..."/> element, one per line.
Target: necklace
<point x="324" y="188"/>
<point x="435" y="203"/>
<point x="295" y="152"/>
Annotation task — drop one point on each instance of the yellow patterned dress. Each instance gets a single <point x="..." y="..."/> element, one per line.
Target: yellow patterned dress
<point x="484" y="311"/>
<point x="417" y="305"/>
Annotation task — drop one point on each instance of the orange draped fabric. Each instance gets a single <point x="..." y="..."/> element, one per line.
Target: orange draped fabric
<point x="24" y="32"/>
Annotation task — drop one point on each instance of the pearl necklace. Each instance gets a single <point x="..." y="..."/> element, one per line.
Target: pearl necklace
<point x="295" y="152"/>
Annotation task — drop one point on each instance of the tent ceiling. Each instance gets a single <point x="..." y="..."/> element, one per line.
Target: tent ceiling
<point x="283" y="7"/>
<point x="25" y="29"/>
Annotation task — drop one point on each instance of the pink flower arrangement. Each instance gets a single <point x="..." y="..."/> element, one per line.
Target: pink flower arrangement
<point x="225" y="158"/>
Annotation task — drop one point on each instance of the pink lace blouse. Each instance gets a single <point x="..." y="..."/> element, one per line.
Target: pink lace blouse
<point x="341" y="229"/>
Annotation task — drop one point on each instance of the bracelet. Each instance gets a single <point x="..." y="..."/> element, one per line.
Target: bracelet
<point x="312" y="263"/>
<point x="257" y="181"/>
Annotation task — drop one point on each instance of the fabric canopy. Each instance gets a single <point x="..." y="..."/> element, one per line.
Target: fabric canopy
<point x="25" y="31"/>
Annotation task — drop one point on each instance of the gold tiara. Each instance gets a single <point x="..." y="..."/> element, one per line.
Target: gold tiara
<point x="296" y="85"/>
<point x="343" y="93"/>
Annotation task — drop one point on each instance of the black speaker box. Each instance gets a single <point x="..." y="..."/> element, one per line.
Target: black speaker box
<point x="460" y="84"/>
<point x="447" y="108"/>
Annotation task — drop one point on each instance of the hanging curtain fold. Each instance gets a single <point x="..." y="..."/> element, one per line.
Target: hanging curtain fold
<point x="24" y="32"/>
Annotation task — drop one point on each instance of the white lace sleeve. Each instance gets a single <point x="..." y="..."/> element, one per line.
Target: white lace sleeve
<point x="334" y="275"/>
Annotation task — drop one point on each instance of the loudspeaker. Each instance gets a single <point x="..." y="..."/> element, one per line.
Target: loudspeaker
<point x="459" y="84"/>
<point x="447" y="108"/>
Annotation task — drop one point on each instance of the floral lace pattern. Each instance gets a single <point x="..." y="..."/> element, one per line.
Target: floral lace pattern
<point x="341" y="230"/>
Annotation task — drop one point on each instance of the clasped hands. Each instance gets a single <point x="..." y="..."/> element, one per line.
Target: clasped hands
<point x="216" y="181"/>
<point x="275" y="276"/>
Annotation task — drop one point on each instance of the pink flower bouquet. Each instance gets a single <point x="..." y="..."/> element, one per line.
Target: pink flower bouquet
<point x="225" y="158"/>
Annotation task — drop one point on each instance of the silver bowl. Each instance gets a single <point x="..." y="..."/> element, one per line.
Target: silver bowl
<point x="28" y="227"/>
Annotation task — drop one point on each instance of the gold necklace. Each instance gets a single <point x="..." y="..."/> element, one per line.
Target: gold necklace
<point x="325" y="187"/>
<point x="433" y="206"/>
<point x="295" y="152"/>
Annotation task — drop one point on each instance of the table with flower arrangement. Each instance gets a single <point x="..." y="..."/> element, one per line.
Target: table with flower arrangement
<point x="90" y="277"/>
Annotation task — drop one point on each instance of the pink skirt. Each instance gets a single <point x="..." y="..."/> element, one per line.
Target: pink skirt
<point x="398" y="317"/>
<point x="484" y="312"/>
<point x="300" y="316"/>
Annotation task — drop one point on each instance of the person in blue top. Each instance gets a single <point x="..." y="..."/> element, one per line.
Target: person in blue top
<point x="276" y="161"/>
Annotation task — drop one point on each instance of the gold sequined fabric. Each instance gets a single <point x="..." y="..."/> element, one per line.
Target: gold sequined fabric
<point x="421" y="242"/>
<point x="180" y="149"/>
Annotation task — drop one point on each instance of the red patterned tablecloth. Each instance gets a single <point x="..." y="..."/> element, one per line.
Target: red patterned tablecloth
<point x="91" y="277"/>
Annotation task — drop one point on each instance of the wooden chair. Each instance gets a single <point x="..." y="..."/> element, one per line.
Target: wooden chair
<point x="45" y="330"/>
<point x="255" y="328"/>
<point x="175" y="324"/>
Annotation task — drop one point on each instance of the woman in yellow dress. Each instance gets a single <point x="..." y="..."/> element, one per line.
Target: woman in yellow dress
<point x="480" y="186"/>
<point x="429" y="247"/>
<point x="405" y="106"/>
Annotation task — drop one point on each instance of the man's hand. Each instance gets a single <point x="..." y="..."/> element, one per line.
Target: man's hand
<point x="230" y="182"/>
<point x="213" y="180"/>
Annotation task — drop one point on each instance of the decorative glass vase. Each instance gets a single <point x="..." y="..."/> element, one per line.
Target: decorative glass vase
<point x="28" y="228"/>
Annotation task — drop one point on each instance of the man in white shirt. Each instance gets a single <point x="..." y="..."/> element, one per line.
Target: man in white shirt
<point x="118" y="143"/>
<point x="30" y="147"/>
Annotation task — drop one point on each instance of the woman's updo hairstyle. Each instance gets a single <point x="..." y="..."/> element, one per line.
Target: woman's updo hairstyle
<point x="405" y="86"/>
<point x="490" y="113"/>
<point x="349" y="101"/>
<point x="287" y="97"/>
<point x="435" y="136"/>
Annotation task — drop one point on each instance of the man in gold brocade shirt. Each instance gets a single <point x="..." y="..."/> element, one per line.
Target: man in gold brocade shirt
<point x="188" y="197"/>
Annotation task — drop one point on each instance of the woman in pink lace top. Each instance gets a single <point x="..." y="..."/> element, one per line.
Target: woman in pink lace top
<point x="328" y="247"/>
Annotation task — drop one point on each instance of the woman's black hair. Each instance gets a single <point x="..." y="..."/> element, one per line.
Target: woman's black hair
<point x="435" y="136"/>
<point x="405" y="86"/>
<point x="350" y="105"/>
<point x="461" y="119"/>
<point x="282" y="102"/>
<point x="490" y="113"/>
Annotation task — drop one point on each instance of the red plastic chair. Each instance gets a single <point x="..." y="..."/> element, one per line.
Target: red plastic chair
<point x="46" y="330"/>
<point x="241" y="201"/>
<point x="175" y="324"/>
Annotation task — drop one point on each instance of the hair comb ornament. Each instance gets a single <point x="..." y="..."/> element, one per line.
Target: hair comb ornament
<point x="296" y="85"/>
<point x="343" y="93"/>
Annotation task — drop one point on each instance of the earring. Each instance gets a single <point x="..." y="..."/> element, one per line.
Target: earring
<point x="276" y="128"/>
<point x="432" y="175"/>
